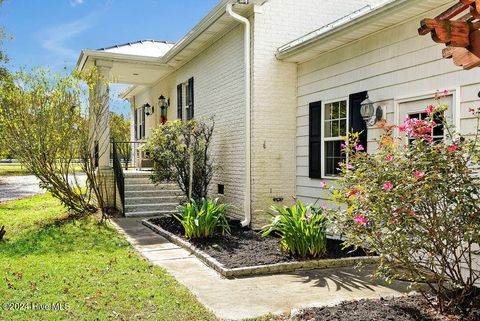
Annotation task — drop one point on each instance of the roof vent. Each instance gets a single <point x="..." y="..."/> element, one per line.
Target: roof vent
<point x="242" y="1"/>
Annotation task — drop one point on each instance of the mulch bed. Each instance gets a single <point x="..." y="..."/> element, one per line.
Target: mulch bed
<point x="245" y="247"/>
<point x="408" y="308"/>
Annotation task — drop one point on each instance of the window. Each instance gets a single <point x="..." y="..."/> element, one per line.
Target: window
<point x="438" y="131"/>
<point x="186" y="88"/>
<point x="328" y="122"/>
<point x="139" y="123"/>
<point x="334" y="126"/>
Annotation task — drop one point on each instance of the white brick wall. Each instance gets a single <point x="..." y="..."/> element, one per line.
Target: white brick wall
<point x="394" y="66"/>
<point x="219" y="91"/>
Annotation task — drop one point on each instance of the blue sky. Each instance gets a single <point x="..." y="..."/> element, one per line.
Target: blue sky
<point x="51" y="33"/>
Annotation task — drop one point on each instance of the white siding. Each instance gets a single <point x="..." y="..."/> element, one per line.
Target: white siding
<point x="394" y="66"/>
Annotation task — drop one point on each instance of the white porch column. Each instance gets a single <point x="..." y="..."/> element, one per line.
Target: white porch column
<point x="102" y="114"/>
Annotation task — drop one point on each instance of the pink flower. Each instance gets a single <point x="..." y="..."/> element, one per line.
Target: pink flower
<point x="358" y="147"/>
<point x="453" y="148"/>
<point x="418" y="174"/>
<point x="387" y="186"/>
<point x="445" y="92"/>
<point x="343" y="146"/>
<point x="323" y="184"/>
<point x="349" y="166"/>
<point x="394" y="222"/>
<point x="389" y="158"/>
<point x="429" y="109"/>
<point x="395" y="213"/>
<point x="360" y="219"/>
<point x="323" y="206"/>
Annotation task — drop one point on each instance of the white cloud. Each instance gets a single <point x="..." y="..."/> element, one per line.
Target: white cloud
<point x="75" y="3"/>
<point x="56" y="39"/>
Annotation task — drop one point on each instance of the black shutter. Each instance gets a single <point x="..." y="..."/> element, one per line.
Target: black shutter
<point x="135" y="123"/>
<point x="143" y="122"/>
<point x="315" y="140"/>
<point x="190" y="100"/>
<point x="357" y="124"/>
<point x="179" y="102"/>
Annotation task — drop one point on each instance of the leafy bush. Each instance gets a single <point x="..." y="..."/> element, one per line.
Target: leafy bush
<point x="203" y="219"/>
<point x="302" y="229"/>
<point x="48" y="127"/>
<point x="171" y="147"/>
<point x="416" y="204"/>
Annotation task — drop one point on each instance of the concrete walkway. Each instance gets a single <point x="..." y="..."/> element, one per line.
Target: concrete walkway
<point x="241" y="298"/>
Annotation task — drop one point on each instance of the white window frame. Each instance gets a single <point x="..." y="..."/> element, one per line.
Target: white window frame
<point x="326" y="139"/>
<point x="453" y="112"/>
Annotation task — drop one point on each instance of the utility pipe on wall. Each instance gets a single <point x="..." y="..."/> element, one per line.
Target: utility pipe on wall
<point x="246" y="46"/>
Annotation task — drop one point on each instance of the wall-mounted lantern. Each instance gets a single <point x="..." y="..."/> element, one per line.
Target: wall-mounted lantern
<point x="163" y="103"/>
<point x="149" y="110"/>
<point x="369" y="113"/>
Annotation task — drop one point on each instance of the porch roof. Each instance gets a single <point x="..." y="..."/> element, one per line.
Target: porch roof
<point x="146" y="62"/>
<point x="353" y="27"/>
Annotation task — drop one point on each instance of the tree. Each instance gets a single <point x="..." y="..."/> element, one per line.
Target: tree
<point x="120" y="132"/>
<point x="49" y="131"/>
<point x="181" y="151"/>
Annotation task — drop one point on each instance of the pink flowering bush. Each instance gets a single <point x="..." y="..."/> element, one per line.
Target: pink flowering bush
<point x="416" y="202"/>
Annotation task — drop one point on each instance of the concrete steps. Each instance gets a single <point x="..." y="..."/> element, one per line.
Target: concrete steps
<point x="145" y="199"/>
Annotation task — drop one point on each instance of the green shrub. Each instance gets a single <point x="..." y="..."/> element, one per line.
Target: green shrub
<point x="302" y="229"/>
<point x="416" y="204"/>
<point x="202" y="219"/>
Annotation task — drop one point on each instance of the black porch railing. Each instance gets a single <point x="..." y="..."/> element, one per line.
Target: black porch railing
<point x="119" y="177"/>
<point x="126" y="153"/>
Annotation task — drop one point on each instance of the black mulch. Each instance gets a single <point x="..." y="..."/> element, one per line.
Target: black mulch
<point x="408" y="308"/>
<point x="245" y="247"/>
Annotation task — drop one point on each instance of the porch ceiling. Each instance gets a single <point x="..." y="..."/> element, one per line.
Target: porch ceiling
<point x="125" y="68"/>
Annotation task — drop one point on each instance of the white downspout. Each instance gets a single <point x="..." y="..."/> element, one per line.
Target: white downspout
<point x="246" y="46"/>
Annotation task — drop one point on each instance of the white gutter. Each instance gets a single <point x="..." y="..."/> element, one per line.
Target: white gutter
<point x="246" y="46"/>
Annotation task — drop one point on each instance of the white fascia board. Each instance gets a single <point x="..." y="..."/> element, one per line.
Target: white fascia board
<point x="328" y="32"/>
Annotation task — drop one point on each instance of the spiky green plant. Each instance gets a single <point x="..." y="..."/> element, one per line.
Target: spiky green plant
<point x="203" y="219"/>
<point x="302" y="229"/>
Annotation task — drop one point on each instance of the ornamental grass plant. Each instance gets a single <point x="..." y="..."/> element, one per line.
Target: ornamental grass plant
<point x="203" y="219"/>
<point x="302" y="229"/>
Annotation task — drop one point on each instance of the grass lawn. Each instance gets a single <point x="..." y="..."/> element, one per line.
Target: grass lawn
<point x="12" y="170"/>
<point x="19" y="170"/>
<point x="89" y="266"/>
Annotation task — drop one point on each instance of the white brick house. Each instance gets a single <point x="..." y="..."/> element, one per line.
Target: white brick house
<point x="266" y="160"/>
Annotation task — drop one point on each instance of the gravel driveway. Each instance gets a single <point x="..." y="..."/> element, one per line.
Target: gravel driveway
<point x="15" y="187"/>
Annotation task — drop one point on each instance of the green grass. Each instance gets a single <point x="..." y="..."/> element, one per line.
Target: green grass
<point x="19" y="170"/>
<point x="47" y="259"/>
<point x="13" y="170"/>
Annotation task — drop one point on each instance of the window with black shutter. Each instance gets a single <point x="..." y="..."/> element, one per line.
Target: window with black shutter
<point x="179" y="102"/>
<point x="190" y="99"/>
<point x="329" y="124"/>
<point x="315" y="140"/>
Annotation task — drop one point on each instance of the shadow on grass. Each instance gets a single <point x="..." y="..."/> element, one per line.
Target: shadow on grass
<point x="63" y="235"/>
